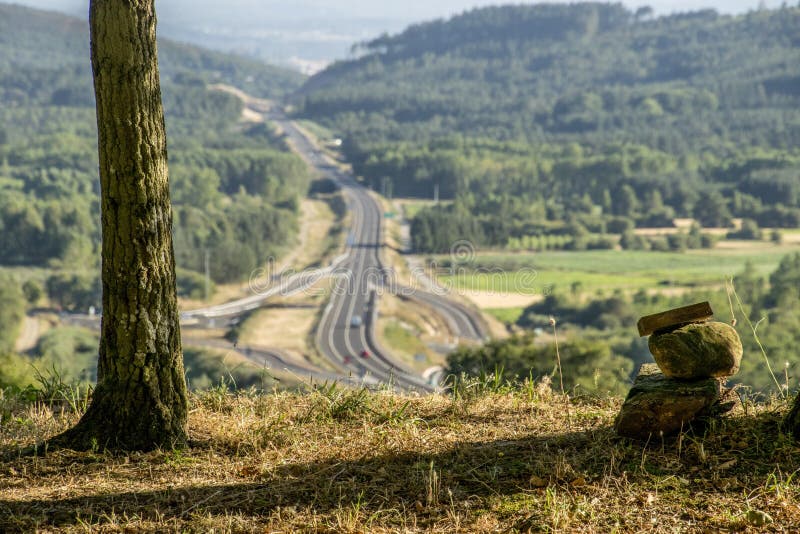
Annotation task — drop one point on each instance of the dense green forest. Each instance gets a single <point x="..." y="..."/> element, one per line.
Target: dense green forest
<point x="574" y="119"/>
<point x="235" y="188"/>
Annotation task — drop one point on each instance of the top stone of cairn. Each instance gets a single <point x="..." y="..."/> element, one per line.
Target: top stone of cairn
<point x="687" y="345"/>
<point x="672" y="319"/>
<point x="696" y="351"/>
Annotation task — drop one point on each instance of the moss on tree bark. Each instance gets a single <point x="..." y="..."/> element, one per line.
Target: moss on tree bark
<point x="140" y="402"/>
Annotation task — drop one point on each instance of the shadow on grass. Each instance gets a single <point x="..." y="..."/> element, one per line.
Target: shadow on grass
<point x="427" y="482"/>
<point x="398" y="481"/>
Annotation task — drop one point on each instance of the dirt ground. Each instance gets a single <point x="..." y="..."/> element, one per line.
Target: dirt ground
<point x="282" y="328"/>
<point x="29" y="333"/>
<point x="492" y="299"/>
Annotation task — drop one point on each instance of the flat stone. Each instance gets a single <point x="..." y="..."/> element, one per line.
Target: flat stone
<point x="657" y="405"/>
<point x="670" y="319"/>
<point x="700" y="350"/>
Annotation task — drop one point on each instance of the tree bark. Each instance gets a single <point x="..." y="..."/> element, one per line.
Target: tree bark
<point x="140" y="402"/>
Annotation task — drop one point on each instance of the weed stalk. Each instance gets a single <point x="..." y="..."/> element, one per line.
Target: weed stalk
<point x="560" y="374"/>
<point x="732" y="291"/>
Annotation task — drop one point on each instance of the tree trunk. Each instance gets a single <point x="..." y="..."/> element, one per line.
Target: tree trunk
<point x="140" y="402"/>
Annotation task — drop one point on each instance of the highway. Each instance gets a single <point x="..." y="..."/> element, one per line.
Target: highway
<point x="277" y="360"/>
<point x="350" y="343"/>
<point x="346" y="331"/>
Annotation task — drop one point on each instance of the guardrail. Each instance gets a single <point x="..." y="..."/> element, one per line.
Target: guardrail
<point x="283" y="288"/>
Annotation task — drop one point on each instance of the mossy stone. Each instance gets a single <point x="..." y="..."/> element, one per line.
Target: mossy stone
<point x="701" y="350"/>
<point x="657" y="405"/>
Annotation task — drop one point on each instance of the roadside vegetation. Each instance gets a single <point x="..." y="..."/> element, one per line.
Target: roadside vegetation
<point x="288" y="326"/>
<point x="413" y="333"/>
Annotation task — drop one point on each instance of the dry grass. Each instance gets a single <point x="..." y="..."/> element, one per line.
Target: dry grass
<point x="289" y="324"/>
<point x="316" y="221"/>
<point x="497" y="328"/>
<point x="495" y="299"/>
<point x="222" y="293"/>
<point x="281" y="328"/>
<point x="491" y="459"/>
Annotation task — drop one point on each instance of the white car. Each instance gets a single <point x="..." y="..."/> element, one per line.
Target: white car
<point x="356" y="321"/>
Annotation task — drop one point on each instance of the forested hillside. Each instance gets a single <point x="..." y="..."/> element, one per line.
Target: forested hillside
<point x="557" y="119"/>
<point x="235" y="189"/>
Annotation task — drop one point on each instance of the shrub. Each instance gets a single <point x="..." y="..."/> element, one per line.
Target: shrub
<point x="749" y="230"/>
<point x="192" y="284"/>
<point x="12" y="311"/>
<point x="74" y="292"/>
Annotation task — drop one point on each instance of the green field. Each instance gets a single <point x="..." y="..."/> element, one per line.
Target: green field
<point x="609" y="270"/>
<point x="402" y="339"/>
<point x="542" y="282"/>
<point x="506" y="315"/>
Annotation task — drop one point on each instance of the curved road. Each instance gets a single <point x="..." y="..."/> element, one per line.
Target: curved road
<point x="278" y="360"/>
<point x="463" y="322"/>
<point x="346" y="331"/>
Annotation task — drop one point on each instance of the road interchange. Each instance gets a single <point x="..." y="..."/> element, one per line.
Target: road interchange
<point x="346" y="331"/>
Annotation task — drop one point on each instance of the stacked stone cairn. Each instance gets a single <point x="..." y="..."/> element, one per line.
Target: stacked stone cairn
<point x="694" y="358"/>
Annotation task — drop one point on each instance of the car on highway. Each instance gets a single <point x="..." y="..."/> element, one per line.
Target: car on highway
<point x="364" y="353"/>
<point x="356" y="321"/>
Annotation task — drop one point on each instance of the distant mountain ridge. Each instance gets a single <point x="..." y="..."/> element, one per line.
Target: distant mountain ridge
<point x="533" y="116"/>
<point x="541" y="62"/>
<point x="46" y="40"/>
<point x="316" y="32"/>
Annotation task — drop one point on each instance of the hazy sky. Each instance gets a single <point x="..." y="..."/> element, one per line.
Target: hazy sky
<point x="406" y="10"/>
<point x="308" y="34"/>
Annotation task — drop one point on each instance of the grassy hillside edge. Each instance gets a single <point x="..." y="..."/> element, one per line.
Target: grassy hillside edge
<point x="494" y="458"/>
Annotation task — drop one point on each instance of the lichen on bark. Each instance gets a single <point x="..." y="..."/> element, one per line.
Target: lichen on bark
<point x="140" y="401"/>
